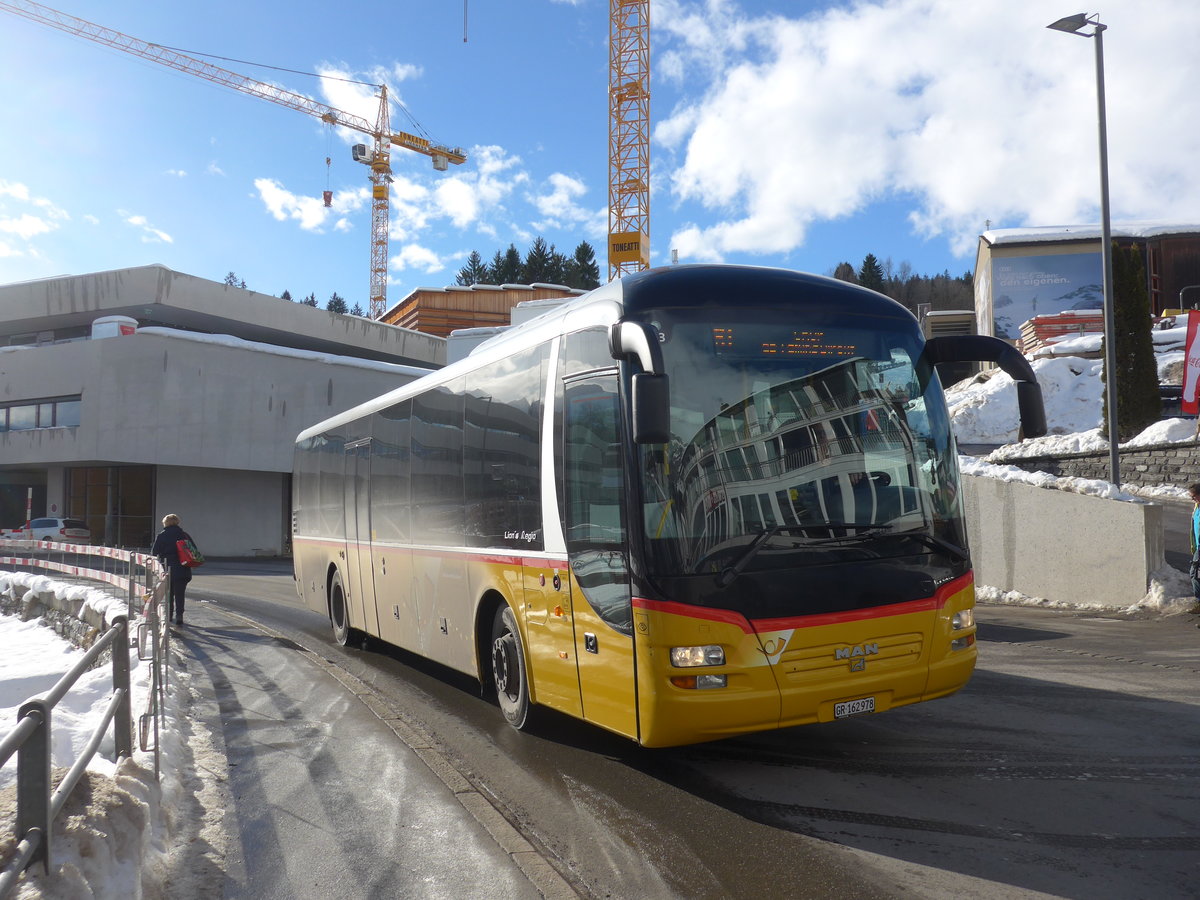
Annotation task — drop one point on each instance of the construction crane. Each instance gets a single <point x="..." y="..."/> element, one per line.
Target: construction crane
<point x="378" y="157"/>
<point x="628" y="137"/>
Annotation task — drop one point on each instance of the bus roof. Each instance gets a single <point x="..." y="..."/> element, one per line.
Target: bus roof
<point x="678" y="287"/>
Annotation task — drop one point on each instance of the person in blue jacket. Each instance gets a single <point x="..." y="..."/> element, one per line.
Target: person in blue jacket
<point x="168" y="554"/>
<point x="1194" y="538"/>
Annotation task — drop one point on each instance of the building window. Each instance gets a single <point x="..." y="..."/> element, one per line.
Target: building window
<point x="22" y="418"/>
<point x="27" y="415"/>
<point x="66" y="413"/>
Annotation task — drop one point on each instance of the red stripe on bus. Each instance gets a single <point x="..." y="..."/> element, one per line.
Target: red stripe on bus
<point x="529" y="562"/>
<point x="727" y="616"/>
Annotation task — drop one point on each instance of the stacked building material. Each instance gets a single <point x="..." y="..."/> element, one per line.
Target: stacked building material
<point x="1042" y="330"/>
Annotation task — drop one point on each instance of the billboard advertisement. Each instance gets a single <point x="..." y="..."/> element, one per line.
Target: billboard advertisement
<point x="1028" y="286"/>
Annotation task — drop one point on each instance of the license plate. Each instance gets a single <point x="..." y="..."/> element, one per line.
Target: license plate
<point x="854" y="707"/>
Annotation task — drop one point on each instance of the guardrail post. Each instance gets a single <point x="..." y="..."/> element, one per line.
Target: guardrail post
<point x="33" y="780"/>
<point x="123" y="720"/>
<point x="132" y="582"/>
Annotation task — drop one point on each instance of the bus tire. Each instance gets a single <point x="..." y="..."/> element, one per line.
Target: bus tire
<point x="339" y="612"/>
<point x="509" y="672"/>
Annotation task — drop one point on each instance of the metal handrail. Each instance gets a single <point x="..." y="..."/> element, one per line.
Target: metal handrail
<point x="37" y="807"/>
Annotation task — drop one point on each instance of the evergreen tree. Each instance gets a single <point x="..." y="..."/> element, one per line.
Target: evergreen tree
<point x="231" y="280"/>
<point x="1138" y="402"/>
<point x="474" y="272"/>
<point x="582" y="270"/>
<point x="286" y="295"/>
<point x="558" y="267"/>
<point x="845" y="272"/>
<point x="505" y="267"/>
<point x="336" y="304"/>
<point x="310" y="300"/>
<point x="538" y="265"/>
<point x="870" y="274"/>
<point x="357" y="310"/>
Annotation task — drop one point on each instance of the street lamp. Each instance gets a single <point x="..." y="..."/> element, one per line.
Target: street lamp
<point x="1076" y="25"/>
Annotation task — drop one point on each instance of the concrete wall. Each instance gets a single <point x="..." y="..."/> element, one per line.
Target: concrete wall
<point x="158" y="398"/>
<point x="1047" y="543"/>
<point x="227" y="513"/>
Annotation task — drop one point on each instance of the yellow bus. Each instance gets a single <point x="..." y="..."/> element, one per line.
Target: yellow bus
<point x="696" y="502"/>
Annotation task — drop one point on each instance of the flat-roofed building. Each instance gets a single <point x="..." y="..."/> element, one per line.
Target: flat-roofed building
<point x="442" y="310"/>
<point x="1021" y="273"/>
<point x="128" y="394"/>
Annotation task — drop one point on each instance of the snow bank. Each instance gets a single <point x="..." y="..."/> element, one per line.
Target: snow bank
<point x="120" y="830"/>
<point x="983" y="409"/>
<point x="1170" y="594"/>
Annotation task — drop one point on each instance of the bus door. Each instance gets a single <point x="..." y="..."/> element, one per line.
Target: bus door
<point x="359" y="573"/>
<point x="597" y="549"/>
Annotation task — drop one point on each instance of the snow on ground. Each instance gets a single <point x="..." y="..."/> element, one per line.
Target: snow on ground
<point x="124" y="853"/>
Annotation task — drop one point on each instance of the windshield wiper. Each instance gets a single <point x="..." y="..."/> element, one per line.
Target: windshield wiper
<point x="730" y="574"/>
<point x="936" y="543"/>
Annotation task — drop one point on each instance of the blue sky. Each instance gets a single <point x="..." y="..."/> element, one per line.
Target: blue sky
<point x="784" y="133"/>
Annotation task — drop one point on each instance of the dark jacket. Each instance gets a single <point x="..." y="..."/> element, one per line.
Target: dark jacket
<point x="166" y="551"/>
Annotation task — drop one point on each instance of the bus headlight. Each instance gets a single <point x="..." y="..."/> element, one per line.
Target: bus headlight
<point x="708" y="655"/>
<point x="964" y="618"/>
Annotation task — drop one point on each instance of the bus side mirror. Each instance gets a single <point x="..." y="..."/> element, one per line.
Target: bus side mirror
<point x="969" y="347"/>
<point x="651" y="409"/>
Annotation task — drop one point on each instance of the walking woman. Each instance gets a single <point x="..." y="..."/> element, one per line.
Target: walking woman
<point x="166" y="550"/>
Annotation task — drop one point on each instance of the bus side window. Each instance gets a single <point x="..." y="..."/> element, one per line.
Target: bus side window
<point x="595" y="497"/>
<point x="595" y="483"/>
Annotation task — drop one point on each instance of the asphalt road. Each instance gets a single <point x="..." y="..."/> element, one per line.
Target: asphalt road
<point x="1066" y="768"/>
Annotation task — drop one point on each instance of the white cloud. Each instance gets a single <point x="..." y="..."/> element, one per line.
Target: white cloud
<point x="310" y="213"/>
<point x="559" y="210"/>
<point x="178" y="173"/>
<point x="966" y="111"/>
<point x="559" y="200"/>
<point x="414" y="256"/>
<point x="23" y="225"/>
<point x="472" y="196"/>
<point x="457" y="198"/>
<point x="214" y="169"/>
<point x="149" y="233"/>
<point x="14" y="189"/>
<point x="344" y="89"/>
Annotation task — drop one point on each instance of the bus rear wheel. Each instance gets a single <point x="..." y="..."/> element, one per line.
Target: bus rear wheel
<point x="508" y="669"/>
<point x="339" y="614"/>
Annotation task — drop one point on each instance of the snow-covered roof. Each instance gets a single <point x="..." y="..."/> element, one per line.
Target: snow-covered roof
<point x="228" y="340"/>
<point x="1091" y="232"/>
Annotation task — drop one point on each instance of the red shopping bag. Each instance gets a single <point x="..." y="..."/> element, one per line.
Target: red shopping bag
<point x="189" y="555"/>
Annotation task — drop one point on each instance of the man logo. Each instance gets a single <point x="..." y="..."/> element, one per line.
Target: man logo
<point x="857" y="653"/>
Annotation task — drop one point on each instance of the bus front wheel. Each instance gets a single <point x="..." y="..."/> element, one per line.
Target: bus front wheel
<point x="339" y="614"/>
<point x="508" y="668"/>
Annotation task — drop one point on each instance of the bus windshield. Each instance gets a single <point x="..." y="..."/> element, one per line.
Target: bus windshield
<point x="799" y="447"/>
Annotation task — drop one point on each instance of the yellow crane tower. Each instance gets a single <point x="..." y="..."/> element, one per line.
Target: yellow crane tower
<point x="628" y="137"/>
<point x="378" y="158"/>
